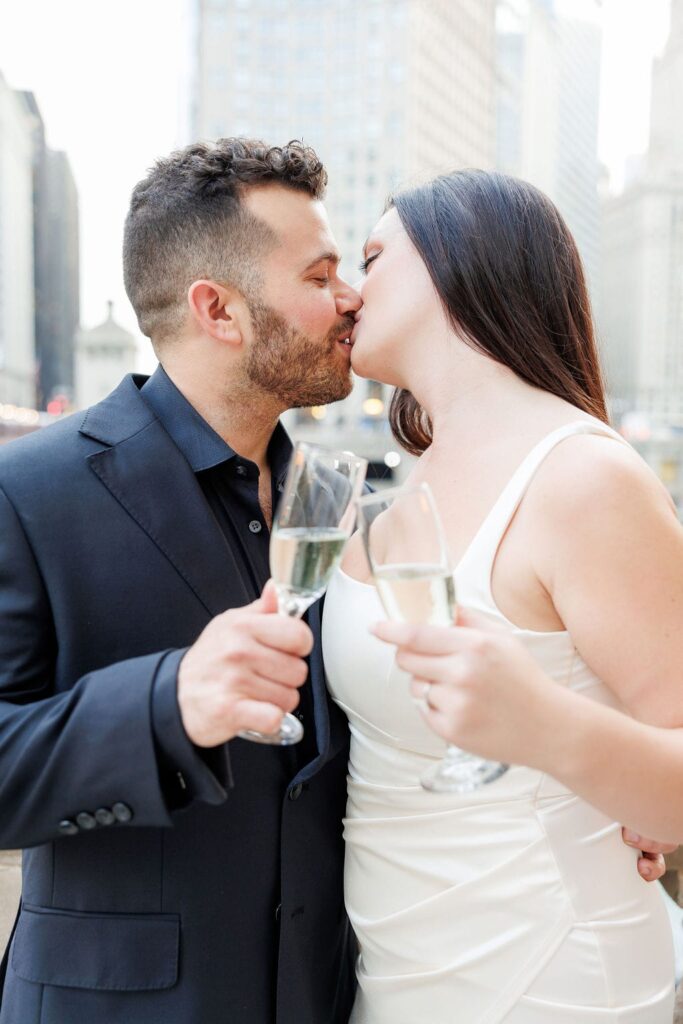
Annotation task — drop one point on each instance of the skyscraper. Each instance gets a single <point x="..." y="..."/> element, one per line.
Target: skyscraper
<point x="56" y="256"/>
<point x="642" y="301"/>
<point x="548" y="57"/>
<point x="388" y="92"/>
<point x="17" y="360"/>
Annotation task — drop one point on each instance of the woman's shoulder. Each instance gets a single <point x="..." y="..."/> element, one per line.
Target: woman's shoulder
<point x="593" y="472"/>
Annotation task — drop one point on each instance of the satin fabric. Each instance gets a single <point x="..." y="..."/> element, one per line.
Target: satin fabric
<point x="517" y="903"/>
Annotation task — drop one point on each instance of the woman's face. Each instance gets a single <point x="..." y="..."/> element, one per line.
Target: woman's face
<point x="400" y="306"/>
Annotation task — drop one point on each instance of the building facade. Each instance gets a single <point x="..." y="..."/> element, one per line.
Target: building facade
<point x="642" y="261"/>
<point x="548" y="61"/>
<point x="104" y="355"/>
<point x="17" y="329"/>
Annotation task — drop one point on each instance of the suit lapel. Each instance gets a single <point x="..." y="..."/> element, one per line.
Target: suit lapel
<point x="148" y="476"/>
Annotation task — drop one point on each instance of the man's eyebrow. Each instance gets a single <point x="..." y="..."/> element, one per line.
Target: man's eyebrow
<point x="332" y="256"/>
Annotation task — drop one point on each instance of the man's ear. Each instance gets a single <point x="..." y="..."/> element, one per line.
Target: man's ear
<point x="218" y="310"/>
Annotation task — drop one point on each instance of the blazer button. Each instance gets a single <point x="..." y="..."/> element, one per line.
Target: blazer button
<point x="85" y="820"/>
<point x="122" y="812"/>
<point x="104" y="816"/>
<point x="295" y="792"/>
<point x="68" y="827"/>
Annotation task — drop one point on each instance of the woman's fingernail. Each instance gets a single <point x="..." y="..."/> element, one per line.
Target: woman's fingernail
<point x="631" y="837"/>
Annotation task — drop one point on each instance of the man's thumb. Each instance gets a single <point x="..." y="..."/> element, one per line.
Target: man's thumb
<point x="268" y="599"/>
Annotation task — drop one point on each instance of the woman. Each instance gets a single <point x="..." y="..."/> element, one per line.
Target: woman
<point x="517" y="903"/>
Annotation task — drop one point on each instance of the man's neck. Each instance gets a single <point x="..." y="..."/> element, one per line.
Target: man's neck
<point x="244" y="420"/>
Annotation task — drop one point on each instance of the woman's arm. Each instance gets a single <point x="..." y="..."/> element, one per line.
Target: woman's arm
<point x="489" y="696"/>
<point x="609" y="551"/>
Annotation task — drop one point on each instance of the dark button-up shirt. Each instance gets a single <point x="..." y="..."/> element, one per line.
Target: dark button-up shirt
<point x="230" y="485"/>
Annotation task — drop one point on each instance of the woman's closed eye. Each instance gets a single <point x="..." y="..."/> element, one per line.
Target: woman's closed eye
<point x="366" y="263"/>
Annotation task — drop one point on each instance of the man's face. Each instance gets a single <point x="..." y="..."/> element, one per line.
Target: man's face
<point x="303" y="308"/>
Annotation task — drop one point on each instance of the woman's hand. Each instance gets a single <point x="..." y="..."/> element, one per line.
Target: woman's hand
<point x="651" y="865"/>
<point x="480" y="688"/>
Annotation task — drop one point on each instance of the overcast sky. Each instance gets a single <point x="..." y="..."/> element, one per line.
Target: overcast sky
<point x="109" y="82"/>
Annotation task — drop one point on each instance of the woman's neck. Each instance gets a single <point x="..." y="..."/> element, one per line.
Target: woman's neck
<point x="490" y="402"/>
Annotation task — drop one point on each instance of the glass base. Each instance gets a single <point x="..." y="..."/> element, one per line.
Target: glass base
<point x="460" y="772"/>
<point x="290" y="732"/>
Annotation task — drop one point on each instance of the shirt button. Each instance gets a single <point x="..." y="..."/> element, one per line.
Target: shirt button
<point x="241" y="470"/>
<point x="255" y="526"/>
<point x="295" y="792"/>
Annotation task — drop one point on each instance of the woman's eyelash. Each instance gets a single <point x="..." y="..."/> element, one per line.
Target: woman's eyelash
<point x="364" y="264"/>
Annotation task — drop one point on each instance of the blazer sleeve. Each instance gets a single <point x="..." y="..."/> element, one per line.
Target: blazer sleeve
<point x="90" y="748"/>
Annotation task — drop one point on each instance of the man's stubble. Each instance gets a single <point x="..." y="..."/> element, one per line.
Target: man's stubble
<point x="298" y="370"/>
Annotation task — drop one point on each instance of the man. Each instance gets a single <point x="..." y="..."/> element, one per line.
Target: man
<point x="169" y="876"/>
<point x="173" y="872"/>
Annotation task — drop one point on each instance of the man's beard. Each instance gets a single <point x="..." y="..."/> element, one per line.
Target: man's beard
<point x="298" y="370"/>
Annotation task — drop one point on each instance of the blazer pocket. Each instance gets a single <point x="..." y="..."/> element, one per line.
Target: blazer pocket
<point x="119" y="952"/>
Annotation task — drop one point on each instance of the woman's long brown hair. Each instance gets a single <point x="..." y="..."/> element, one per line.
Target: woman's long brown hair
<point x="509" y="275"/>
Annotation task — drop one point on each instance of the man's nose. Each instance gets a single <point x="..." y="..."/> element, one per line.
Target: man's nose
<point x="349" y="300"/>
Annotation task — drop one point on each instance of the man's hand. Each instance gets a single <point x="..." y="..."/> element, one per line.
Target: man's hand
<point x="243" y="672"/>
<point x="651" y="865"/>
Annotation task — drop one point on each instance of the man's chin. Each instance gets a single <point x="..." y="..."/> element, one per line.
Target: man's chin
<point x="325" y="395"/>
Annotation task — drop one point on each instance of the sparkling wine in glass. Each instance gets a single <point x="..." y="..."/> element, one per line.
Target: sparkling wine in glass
<point x="314" y="520"/>
<point x="406" y="549"/>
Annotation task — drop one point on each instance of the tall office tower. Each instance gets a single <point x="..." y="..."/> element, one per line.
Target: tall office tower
<point x="548" y="57"/>
<point x="17" y="356"/>
<point x="642" y="301"/>
<point x="389" y="92"/>
<point x="56" y="253"/>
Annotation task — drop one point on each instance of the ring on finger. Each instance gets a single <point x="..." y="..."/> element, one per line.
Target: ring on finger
<point x="426" y="690"/>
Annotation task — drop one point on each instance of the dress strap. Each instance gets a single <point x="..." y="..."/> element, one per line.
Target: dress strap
<point x="485" y="545"/>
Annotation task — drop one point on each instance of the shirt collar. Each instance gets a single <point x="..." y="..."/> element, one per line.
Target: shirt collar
<point x="199" y="443"/>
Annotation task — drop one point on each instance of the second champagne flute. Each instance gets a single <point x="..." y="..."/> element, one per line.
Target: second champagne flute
<point x="314" y="520"/>
<point x="406" y="549"/>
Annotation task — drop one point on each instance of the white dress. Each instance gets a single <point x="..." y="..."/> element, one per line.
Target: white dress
<point x="517" y="903"/>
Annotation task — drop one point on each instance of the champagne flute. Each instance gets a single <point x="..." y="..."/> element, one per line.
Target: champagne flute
<point x="407" y="553"/>
<point x="314" y="520"/>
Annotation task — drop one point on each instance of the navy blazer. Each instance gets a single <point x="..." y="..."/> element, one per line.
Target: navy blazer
<point x="111" y="564"/>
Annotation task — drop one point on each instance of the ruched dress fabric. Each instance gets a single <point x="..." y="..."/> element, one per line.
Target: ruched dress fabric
<point x="518" y="903"/>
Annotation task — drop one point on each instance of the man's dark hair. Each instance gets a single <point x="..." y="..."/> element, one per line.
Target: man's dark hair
<point x="187" y="221"/>
<point x="510" y="280"/>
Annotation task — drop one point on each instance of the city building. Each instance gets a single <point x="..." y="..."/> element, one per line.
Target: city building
<point x="56" y="259"/>
<point x="104" y="355"/>
<point x="641" y="308"/>
<point x="389" y="92"/>
<point x="17" y="330"/>
<point x="548" y="61"/>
